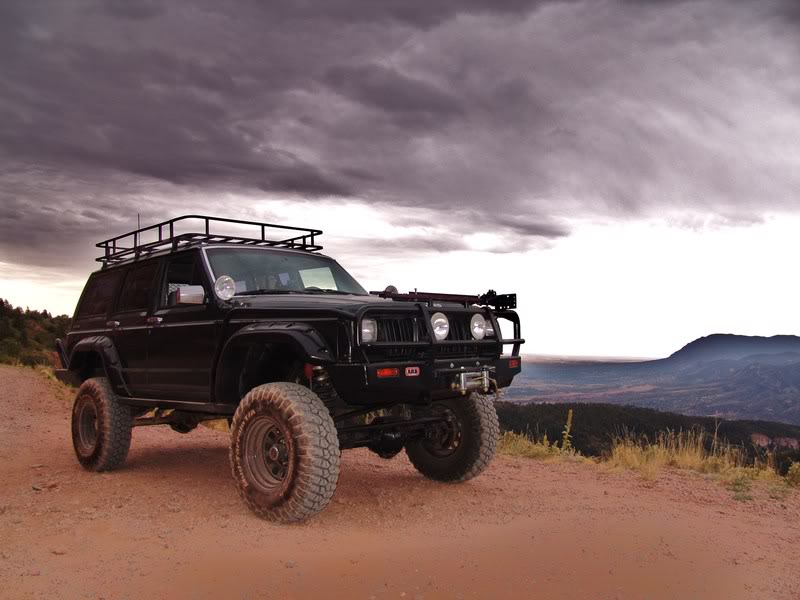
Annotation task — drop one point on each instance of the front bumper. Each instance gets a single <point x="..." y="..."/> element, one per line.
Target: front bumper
<point x="420" y="368"/>
<point x="420" y="382"/>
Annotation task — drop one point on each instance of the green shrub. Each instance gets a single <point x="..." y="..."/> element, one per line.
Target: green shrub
<point x="9" y="349"/>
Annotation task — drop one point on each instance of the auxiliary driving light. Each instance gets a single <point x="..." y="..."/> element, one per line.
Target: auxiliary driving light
<point x="225" y="287"/>
<point x="440" y="324"/>
<point x="477" y="325"/>
<point x="369" y="330"/>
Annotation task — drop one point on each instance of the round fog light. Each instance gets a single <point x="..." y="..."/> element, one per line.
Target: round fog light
<point x="477" y="325"/>
<point x="440" y="324"/>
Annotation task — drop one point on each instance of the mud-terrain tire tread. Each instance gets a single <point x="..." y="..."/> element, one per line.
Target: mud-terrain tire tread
<point x="483" y="431"/>
<point x="114" y="426"/>
<point x="318" y="454"/>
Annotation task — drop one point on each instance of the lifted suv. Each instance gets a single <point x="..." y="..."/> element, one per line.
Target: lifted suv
<point x="177" y="328"/>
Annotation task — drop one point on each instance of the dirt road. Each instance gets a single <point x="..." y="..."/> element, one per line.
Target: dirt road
<point x="169" y="524"/>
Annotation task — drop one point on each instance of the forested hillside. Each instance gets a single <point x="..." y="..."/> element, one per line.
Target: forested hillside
<point x="28" y="336"/>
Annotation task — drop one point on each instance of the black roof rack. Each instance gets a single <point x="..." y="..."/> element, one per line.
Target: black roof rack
<point x="134" y="244"/>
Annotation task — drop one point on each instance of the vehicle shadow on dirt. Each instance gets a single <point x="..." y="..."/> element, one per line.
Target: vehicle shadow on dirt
<point x="204" y="461"/>
<point x="365" y="480"/>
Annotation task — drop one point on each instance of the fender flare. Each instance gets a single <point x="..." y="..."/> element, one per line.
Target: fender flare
<point x="103" y="347"/>
<point x="305" y="341"/>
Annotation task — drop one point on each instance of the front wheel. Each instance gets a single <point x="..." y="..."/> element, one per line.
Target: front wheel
<point x="284" y="452"/>
<point x="462" y="445"/>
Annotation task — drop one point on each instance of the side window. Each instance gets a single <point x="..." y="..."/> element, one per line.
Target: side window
<point x="98" y="295"/>
<point x="137" y="287"/>
<point x="181" y="271"/>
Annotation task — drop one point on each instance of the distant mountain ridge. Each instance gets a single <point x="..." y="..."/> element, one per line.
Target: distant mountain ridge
<point x="720" y="375"/>
<point x="721" y="346"/>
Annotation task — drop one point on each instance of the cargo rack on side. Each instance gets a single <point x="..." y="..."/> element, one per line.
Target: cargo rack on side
<point x="131" y="245"/>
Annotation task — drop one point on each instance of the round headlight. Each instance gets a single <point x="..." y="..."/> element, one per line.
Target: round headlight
<point x="477" y="325"/>
<point x="441" y="326"/>
<point x="489" y="329"/>
<point x="369" y="330"/>
<point x="225" y="287"/>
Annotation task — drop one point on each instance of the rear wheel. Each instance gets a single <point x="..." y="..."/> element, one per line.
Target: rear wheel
<point x="101" y="426"/>
<point x="284" y="452"/>
<point x="462" y="445"/>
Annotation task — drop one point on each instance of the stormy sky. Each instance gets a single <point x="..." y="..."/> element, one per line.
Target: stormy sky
<point x="466" y="145"/>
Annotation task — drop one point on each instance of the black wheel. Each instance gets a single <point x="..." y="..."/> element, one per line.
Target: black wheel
<point x="284" y="452"/>
<point x="462" y="445"/>
<point x="101" y="426"/>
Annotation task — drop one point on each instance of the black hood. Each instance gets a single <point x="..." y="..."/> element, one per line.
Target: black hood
<point x="301" y="302"/>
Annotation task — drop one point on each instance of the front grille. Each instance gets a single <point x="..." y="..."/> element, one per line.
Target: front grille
<point x="397" y="329"/>
<point x="459" y="329"/>
<point x="408" y="329"/>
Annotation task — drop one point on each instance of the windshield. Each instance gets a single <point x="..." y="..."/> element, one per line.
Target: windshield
<point x="261" y="271"/>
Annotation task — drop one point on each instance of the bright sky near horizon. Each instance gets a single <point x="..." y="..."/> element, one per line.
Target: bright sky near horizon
<point x="634" y="289"/>
<point x="630" y="169"/>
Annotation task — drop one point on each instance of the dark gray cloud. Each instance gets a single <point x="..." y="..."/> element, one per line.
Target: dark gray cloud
<point x="522" y="114"/>
<point x="391" y="92"/>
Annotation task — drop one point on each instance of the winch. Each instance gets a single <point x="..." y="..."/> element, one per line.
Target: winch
<point x="467" y="381"/>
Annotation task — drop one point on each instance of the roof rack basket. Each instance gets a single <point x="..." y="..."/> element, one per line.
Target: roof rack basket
<point x="133" y="245"/>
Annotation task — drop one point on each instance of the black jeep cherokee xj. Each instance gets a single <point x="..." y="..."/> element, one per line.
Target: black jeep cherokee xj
<point x="180" y="327"/>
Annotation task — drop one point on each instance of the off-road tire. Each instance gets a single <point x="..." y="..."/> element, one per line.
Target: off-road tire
<point x="478" y="442"/>
<point x="101" y="426"/>
<point x="309" y="444"/>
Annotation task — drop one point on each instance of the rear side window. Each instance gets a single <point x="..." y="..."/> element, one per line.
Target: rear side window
<point x="137" y="287"/>
<point x="99" y="294"/>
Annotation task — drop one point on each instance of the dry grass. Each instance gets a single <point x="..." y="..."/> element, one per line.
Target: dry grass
<point x="530" y="446"/>
<point x="64" y="392"/>
<point x="693" y="450"/>
<point x="681" y="449"/>
<point x="793" y="475"/>
<point x="514" y="444"/>
<point x="697" y="451"/>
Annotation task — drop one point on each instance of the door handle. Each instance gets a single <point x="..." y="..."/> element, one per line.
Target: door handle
<point x="112" y="324"/>
<point x="154" y="320"/>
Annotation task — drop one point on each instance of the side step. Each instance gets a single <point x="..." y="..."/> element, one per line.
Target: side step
<point x="201" y="407"/>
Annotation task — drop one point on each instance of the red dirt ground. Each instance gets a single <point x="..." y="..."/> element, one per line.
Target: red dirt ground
<point x="169" y="524"/>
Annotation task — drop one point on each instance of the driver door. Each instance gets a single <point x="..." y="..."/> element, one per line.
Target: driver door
<point x="182" y="338"/>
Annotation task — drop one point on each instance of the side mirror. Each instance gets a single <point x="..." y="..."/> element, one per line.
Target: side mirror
<point x="190" y="294"/>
